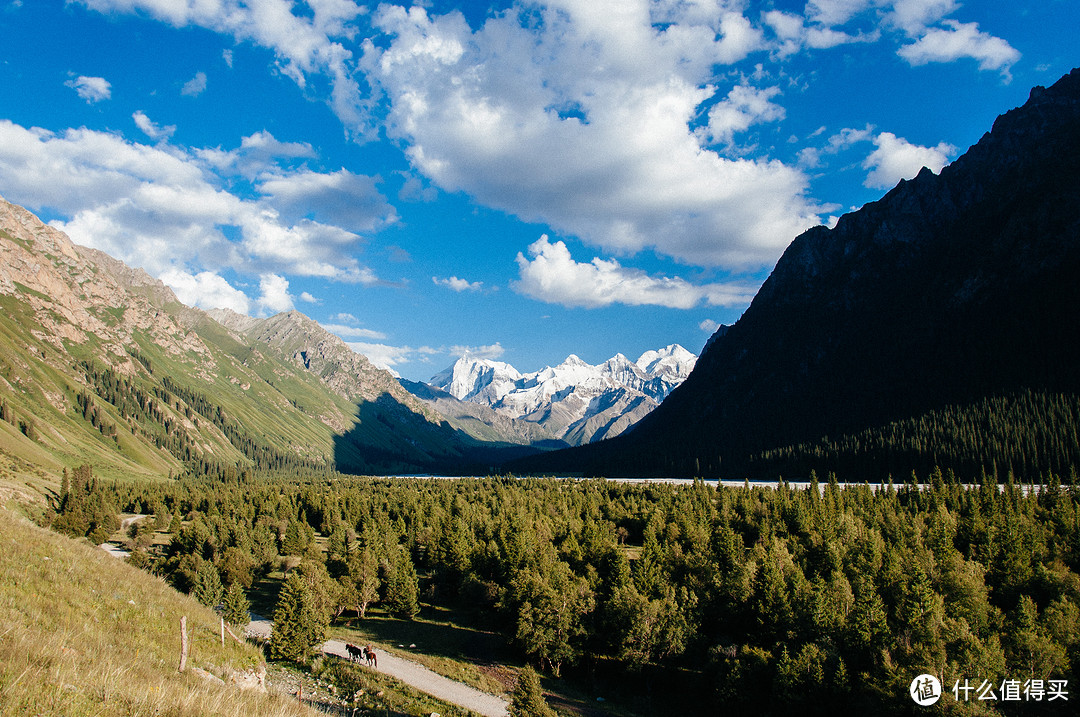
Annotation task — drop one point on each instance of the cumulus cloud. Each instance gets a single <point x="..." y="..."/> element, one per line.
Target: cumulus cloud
<point x="206" y="290"/>
<point x="959" y="40"/>
<point x="793" y="35"/>
<point x="353" y="332"/>
<point x="895" y="158"/>
<point x="162" y="207"/>
<point x="304" y="44"/>
<point x="583" y="121"/>
<point x="553" y="276"/>
<point x="709" y="325"/>
<point x="342" y="198"/>
<point x="274" y="296"/>
<point x="150" y="129"/>
<point x="307" y="298"/>
<point x="383" y="356"/>
<point x="258" y="153"/>
<point x="915" y="16"/>
<point x="490" y="351"/>
<point x="458" y="285"/>
<point x="834" y="12"/>
<point x="195" y="86"/>
<point x="91" y="89"/>
<point x="743" y="107"/>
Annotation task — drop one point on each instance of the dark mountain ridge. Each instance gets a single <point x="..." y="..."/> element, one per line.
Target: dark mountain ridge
<point x="950" y="289"/>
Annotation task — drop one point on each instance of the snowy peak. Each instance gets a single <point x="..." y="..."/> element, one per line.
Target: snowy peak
<point x="672" y="360"/>
<point x="575" y="400"/>
<point x="478" y="380"/>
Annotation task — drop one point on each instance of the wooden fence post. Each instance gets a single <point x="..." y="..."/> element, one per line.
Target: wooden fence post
<point x="183" y="643"/>
<point x="223" y="632"/>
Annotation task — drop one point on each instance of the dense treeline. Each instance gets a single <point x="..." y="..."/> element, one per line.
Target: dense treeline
<point x="1030" y="433"/>
<point x="161" y="409"/>
<point x="753" y="598"/>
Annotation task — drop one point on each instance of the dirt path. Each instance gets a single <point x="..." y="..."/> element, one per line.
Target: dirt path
<point x="412" y="674"/>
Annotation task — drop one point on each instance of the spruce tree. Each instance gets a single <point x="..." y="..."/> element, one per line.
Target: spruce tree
<point x="298" y="626"/>
<point x="403" y="588"/>
<point x="207" y="588"/>
<point x="236" y="606"/>
<point x="528" y="697"/>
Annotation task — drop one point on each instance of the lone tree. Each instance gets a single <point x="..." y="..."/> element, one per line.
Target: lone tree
<point x="298" y="625"/>
<point x="528" y="698"/>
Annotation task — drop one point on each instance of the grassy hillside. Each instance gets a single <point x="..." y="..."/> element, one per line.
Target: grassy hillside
<point x="82" y="633"/>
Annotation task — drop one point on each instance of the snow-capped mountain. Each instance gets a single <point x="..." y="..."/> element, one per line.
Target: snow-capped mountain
<point x="574" y="401"/>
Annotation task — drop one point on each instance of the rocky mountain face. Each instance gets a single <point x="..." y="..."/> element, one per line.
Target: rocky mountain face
<point x="100" y="362"/>
<point x="950" y="289"/>
<point x="574" y="402"/>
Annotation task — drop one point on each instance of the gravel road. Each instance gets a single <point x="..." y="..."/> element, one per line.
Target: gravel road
<point x="412" y="674"/>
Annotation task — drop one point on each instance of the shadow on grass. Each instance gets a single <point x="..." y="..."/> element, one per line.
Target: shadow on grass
<point x="432" y="633"/>
<point x="263" y="594"/>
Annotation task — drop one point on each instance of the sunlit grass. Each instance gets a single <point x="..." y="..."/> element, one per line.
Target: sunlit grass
<point x="82" y="633"/>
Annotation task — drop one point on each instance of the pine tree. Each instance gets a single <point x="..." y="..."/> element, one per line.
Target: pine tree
<point x="298" y="626"/>
<point x="528" y="698"/>
<point x="207" y="588"/>
<point x="403" y="588"/>
<point x="236" y="606"/>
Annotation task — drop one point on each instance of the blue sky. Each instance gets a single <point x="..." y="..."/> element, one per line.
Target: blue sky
<point x="522" y="180"/>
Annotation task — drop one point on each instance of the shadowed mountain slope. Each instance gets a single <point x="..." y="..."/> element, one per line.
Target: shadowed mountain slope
<point x="952" y="290"/>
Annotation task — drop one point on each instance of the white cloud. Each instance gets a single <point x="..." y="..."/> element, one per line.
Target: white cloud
<point x="895" y="158"/>
<point x="709" y="326"/>
<point x="91" y="89"/>
<point x="151" y="130"/>
<point x="227" y="55"/>
<point x="490" y="351"/>
<point x="958" y="41"/>
<point x="258" y="153"/>
<point x="582" y="121"/>
<point x="457" y="284"/>
<point x="341" y="198"/>
<point x="793" y="35"/>
<point x="915" y="16"/>
<point x="382" y="355"/>
<point x="743" y="107"/>
<point x="304" y="44"/>
<point x="161" y="207"/>
<point x="553" y="276"/>
<point x="308" y="298"/>
<point x="274" y="296"/>
<point x="353" y="332"/>
<point x="195" y="86"/>
<point x="206" y="290"/>
<point x="834" y="12"/>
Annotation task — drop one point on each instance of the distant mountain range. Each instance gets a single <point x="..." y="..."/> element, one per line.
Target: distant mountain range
<point x="101" y="363"/>
<point x="574" y="402"/>
<point x="937" y="326"/>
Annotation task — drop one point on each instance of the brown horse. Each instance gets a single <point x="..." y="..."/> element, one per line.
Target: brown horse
<point x="372" y="660"/>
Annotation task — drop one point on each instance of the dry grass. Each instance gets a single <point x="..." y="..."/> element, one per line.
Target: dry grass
<point x="84" y="634"/>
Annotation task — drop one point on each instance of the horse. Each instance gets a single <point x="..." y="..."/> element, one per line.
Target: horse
<point x="354" y="652"/>
<point x="372" y="660"/>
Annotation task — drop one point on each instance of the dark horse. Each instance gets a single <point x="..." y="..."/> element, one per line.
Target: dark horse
<point x="354" y="652"/>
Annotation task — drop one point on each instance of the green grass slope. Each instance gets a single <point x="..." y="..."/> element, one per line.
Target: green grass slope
<point x="82" y="633"/>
